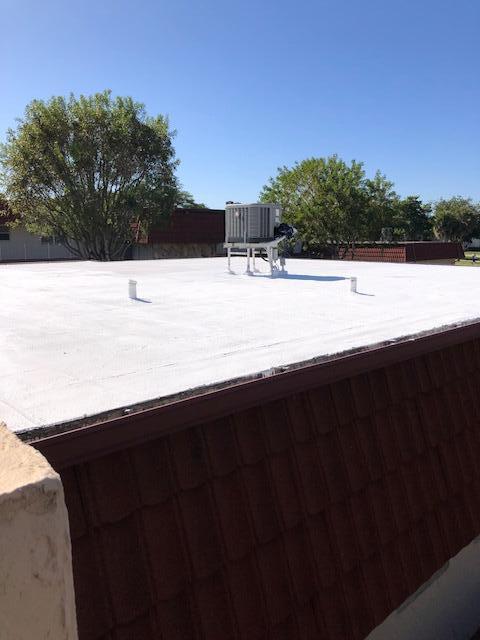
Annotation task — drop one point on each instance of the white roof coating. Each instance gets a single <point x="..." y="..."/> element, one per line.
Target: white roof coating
<point x="73" y="344"/>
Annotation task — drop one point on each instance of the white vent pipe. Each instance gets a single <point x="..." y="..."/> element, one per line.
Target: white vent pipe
<point x="132" y="289"/>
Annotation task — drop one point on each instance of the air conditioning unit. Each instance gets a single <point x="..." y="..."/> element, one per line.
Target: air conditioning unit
<point x="251" y="223"/>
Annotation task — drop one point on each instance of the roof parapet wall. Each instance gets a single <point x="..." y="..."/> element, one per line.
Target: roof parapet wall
<point x="35" y="554"/>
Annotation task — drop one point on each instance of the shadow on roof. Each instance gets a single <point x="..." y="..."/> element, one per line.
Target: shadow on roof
<point x="295" y="276"/>
<point x="142" y="300"/>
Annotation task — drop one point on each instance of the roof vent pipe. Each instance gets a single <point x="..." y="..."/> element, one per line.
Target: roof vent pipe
<point x="353" y="284"/>
<point x="132" y="289"/>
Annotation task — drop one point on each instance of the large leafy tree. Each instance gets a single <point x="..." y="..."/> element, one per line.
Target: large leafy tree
<point x="185" y="200"/>
<point x="457" y="219"/>
<point x="413" y="220"/>
<point x="91" y="171"/>
<point x="4" y="210"/>
<point x="324" y="198"/>
<point x="334" y="204"/>
<point x="382" y="208"/>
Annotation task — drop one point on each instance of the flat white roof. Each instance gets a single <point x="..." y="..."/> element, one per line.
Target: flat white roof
<point x="73" y="344"/>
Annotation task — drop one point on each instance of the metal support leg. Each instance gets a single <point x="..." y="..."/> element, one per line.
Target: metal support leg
<point x="253" y="260"/>
<point x="248" y="262"/>
<point x="270" y="259"/>
<point x="229" y="256"/>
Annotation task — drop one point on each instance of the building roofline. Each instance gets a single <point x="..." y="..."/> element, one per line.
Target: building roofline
<point x="73" y="444"/>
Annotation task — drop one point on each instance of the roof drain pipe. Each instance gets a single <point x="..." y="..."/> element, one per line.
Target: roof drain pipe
<point x="132" y="289"/>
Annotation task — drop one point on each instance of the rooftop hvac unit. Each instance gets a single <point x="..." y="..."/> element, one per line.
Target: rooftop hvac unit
<point x="252" y="228"/>
<point x="251" y="223"/>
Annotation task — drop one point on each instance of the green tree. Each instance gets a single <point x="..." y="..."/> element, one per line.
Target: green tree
<point x="413" y="220"/>
<point x="324" y="198"/>
<point x="382" y="207"/>
<point x="4" y="210"/>
<point x="91" y="171"/>
<point x="457" y="219"/>
<point x="185" y="200"/>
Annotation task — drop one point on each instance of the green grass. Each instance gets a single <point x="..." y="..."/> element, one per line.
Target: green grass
<point x="468" y="260"/>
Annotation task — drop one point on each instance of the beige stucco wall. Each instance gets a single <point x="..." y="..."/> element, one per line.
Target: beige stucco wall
<point x="168" y="250"/>
<point x="36" y="586"/>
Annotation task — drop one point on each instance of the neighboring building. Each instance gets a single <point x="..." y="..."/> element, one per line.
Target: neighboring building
<point x="195" y="233"/>
<point x="189" y="233"/>
<point x="423" y="252"/>
<point x="19" y="245"/>
<point x="253" y="458"/>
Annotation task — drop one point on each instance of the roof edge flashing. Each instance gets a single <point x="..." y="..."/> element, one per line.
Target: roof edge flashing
<point x="103" y="433"/>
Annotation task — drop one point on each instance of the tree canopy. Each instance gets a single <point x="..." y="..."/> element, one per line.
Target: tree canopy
<point x="457" y="219"/>
<point x="333" y="203"/>
<point x="185" y="200"/>
<point x="413" y="219"/>
<point x="381" y="209"/>
<point x="91" y="171"/>
<point x="324" y="198"/>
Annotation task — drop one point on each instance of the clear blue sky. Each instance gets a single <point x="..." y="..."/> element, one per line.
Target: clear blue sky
<point x="250" y="86"/>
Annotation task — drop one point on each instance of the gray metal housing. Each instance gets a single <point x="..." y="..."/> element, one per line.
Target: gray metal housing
<point x="251" y="222"/>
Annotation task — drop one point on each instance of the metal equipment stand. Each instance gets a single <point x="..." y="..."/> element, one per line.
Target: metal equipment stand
<point x="277" y="266"/>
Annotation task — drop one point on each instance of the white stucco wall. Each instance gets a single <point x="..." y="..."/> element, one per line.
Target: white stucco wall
<point x="36" y="585"/>
<point x="27" y="246"/>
